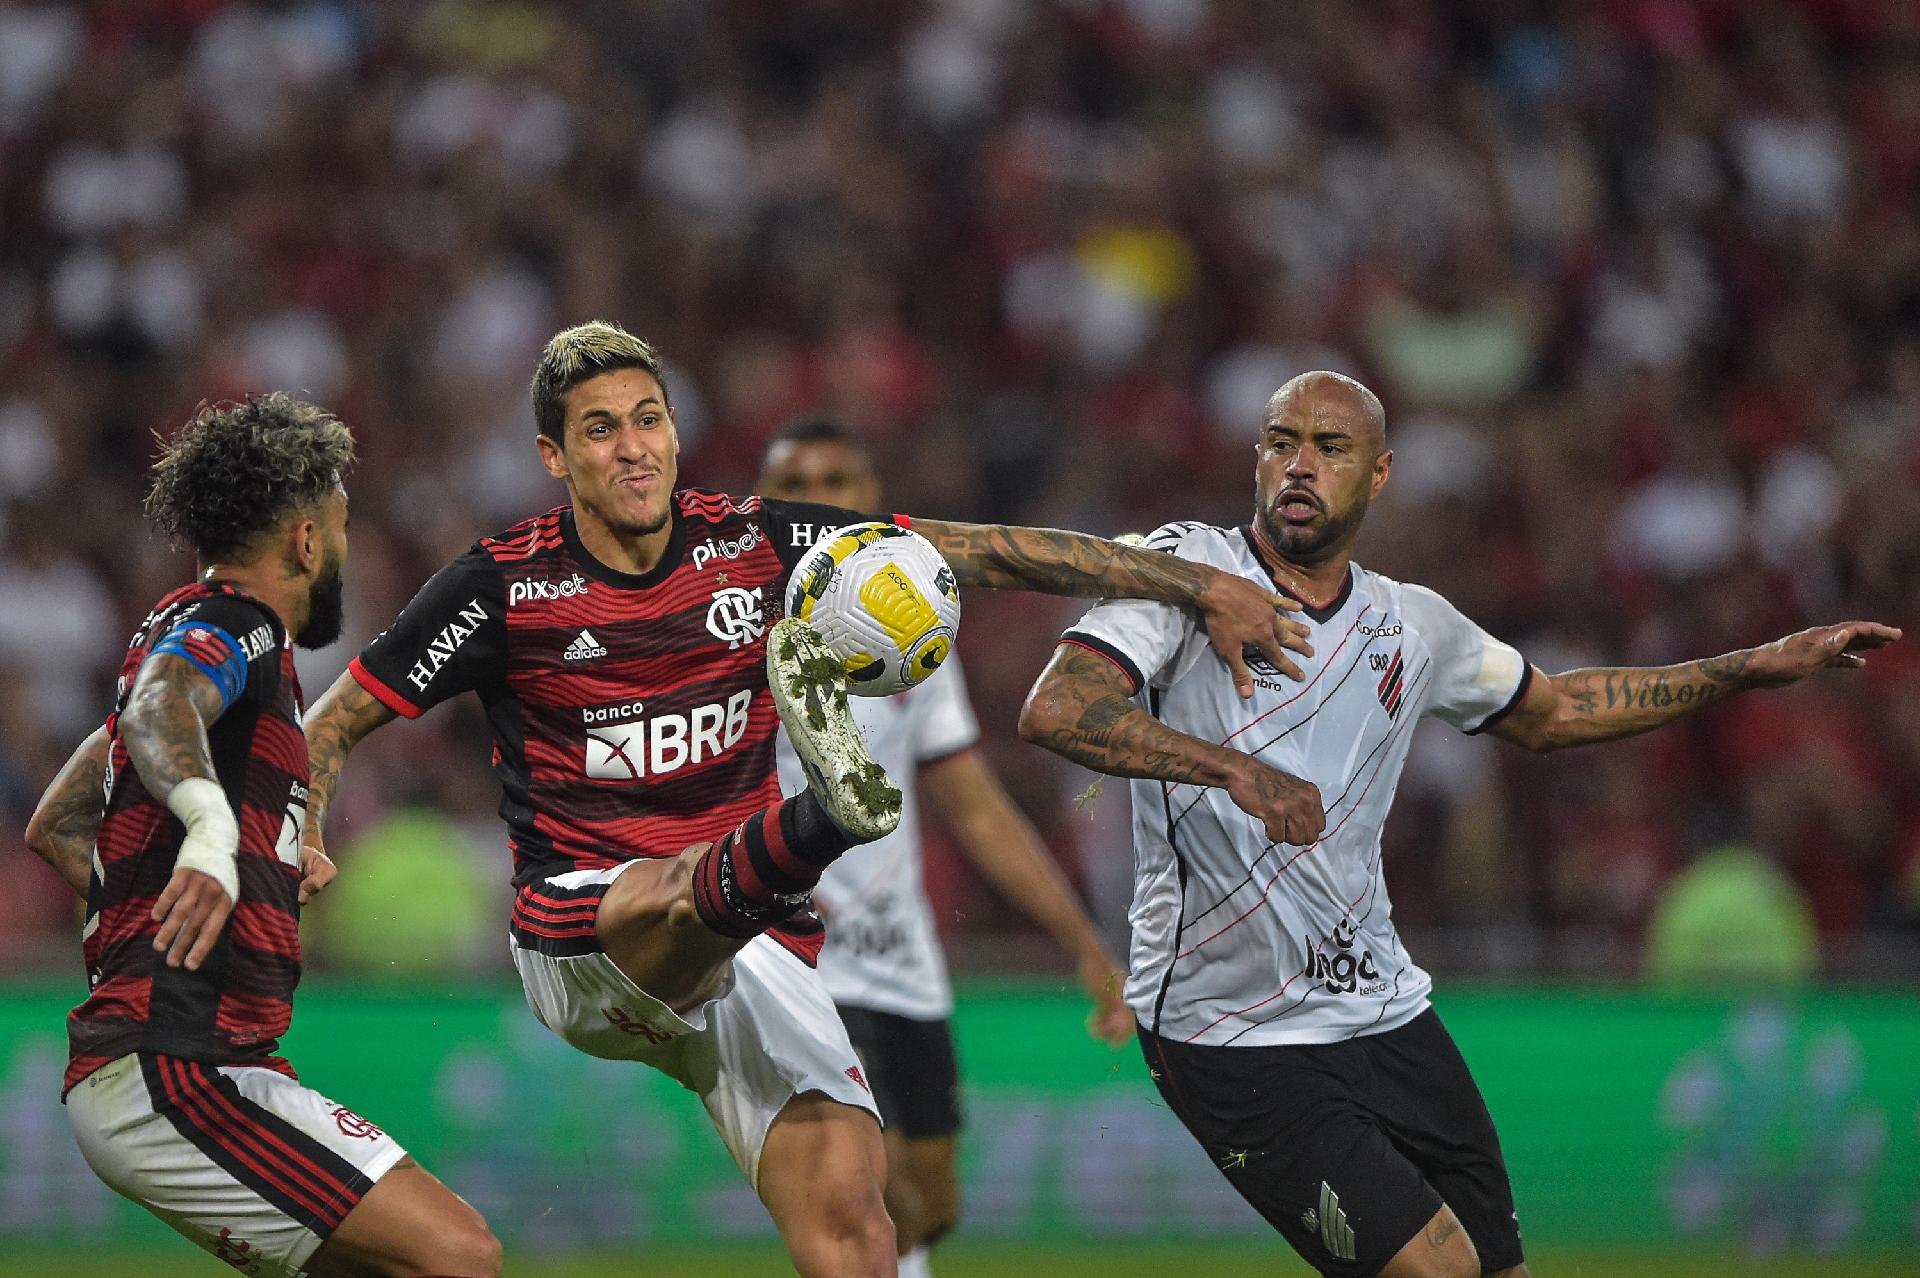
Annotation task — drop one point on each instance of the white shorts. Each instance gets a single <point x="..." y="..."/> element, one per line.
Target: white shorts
<point x="242" y="1160"/>
<point x="770" y="1034"/>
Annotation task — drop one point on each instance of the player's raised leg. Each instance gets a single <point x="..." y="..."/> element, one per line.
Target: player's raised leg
<point x="409" y="1225"/>
<point x="671" y="926"/>
<point x="821" y="1171"/>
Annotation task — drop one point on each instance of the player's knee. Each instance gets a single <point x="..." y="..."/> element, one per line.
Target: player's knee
<point x="647" y="897"/>
<point x="853" y="1217"/>
<point x="463" y="1247"/>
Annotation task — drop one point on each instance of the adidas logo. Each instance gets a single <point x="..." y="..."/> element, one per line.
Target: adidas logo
<point x="584" y="646"/>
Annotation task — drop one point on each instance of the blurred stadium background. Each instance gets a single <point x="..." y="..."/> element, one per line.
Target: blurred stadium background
<point x="1639" y="281"/>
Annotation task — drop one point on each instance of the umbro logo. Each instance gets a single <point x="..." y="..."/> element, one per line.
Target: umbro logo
<point x="1336" y="1235"/>
<point x="583" y="647"/>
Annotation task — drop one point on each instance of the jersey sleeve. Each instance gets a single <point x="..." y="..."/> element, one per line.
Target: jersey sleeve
<point x="946" y="721"/>
<point x="225" y="639"/>
<point x="1146" y="639"/>
<point x="1477" y="679"/>
<point x="793" y="526"/>
<point x="451" y="639"/>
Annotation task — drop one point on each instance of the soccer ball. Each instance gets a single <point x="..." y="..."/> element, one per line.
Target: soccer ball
<point x="883" y="600"/>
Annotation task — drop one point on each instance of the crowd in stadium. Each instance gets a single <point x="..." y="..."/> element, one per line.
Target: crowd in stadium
<point x="1642" y="298"/>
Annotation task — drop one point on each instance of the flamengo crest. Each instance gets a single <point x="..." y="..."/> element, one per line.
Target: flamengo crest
<point x="735" y="616"/>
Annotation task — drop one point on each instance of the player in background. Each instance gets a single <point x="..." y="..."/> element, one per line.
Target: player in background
<point x="179" y="822"/>
<point x="882" y="962"/>
<point x="624" y="649"/>
<point x="1279" y="1014"/>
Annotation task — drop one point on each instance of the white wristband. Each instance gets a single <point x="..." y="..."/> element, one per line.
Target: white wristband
<point x="212" y="845"/>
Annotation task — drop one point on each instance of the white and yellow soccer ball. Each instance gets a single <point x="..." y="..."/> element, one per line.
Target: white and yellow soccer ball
<point x="883" y="600"/>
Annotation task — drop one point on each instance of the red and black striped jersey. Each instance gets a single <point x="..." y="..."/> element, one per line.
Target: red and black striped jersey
<point x="235" y="1008"/>
<point x="631" y="716"/>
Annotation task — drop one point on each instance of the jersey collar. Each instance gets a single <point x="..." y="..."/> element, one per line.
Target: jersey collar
<point x="669" y="559"/>
<point x="1319" y="616"/>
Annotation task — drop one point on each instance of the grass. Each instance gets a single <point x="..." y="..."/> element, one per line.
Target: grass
<point x="989" y="1260"/>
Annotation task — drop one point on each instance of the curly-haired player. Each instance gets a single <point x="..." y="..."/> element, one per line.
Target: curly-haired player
<point x="180" y="822"/>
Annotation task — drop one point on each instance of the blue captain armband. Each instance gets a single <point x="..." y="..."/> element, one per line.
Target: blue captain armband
<point x="212" y="651"/>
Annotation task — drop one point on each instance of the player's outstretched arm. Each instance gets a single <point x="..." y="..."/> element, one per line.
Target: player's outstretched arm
<point x="1082" y="709"/>
<point x="997" y="837"/>
<point x="67" y="819"/>
<point x="1238" y="613"/>
<point x="164" y="727"/>
<point x="336" y="723"/>
<point x="1581" y="707"/>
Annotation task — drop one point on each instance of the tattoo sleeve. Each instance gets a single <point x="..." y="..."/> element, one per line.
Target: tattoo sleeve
<point x="1603" y="704"/>
<point x="67" y="820"/>
<point x="344" y="715"/>
<point x="165" y="723"/>
<point x="1053" y="562"/>
<point x="1081" y="709"/>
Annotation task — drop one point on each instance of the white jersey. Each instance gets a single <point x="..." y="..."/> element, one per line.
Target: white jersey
<point x="1236" y="939"/>
<point x="883" y="950"/>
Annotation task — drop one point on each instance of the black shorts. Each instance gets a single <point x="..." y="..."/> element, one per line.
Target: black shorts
<point x="1348" y="1148"/>
<point x="911" y="1067"/>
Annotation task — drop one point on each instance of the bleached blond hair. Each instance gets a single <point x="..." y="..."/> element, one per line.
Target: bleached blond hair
<point x="574" y="355"/>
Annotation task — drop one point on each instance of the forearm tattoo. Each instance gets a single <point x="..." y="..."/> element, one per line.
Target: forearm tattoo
<point x="165" y="724"/>
<point x="1608" y="703"/>
<point x="1100" y="727"/>
<point x="334" y="727"/>
<point x="67" y="822"/>
<point x="1053" y="562"/>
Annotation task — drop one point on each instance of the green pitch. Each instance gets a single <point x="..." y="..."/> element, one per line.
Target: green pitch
<point x="986" y="1260"/>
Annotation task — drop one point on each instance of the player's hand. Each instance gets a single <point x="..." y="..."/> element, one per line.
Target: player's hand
<point x="190" y="913"/>
<point x="1241" y="616"/>
<point x="1288" y="807"/>
<point x="1111" y="1020"/>
<point x="1823" y="647"/>
<point x="316" y="870"/>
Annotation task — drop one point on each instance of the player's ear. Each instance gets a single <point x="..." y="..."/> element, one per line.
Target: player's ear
<point x="1382" y="466"/>
<point x="552" y="456"/>
<point x="306" y="548"/>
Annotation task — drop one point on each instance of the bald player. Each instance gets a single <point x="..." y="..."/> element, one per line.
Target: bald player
<point x="1281" y="1017"/>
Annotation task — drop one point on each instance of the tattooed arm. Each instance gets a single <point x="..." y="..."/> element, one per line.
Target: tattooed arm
<point x="164" y="726"/>
<point x="67" y="820"/>
<point x="1238" y="613"/>
<point x="1082" y="709"/>
<point x="1584" y="706"/>
<point x="337" y="723"/>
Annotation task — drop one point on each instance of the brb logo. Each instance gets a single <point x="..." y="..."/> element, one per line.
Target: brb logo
<point x="624" y="745"/>
<point x="542" y="591"/>
<point x="735" y="616"/>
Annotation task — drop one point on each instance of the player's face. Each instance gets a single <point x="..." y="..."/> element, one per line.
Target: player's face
<point x="1320" y="460"/>
<point x="326" y="596"/>
<point x="824" y="471"/>
<point x="621" y="454"/>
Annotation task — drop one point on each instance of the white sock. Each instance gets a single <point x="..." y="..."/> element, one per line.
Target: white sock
<point x="915" y="1264"/>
